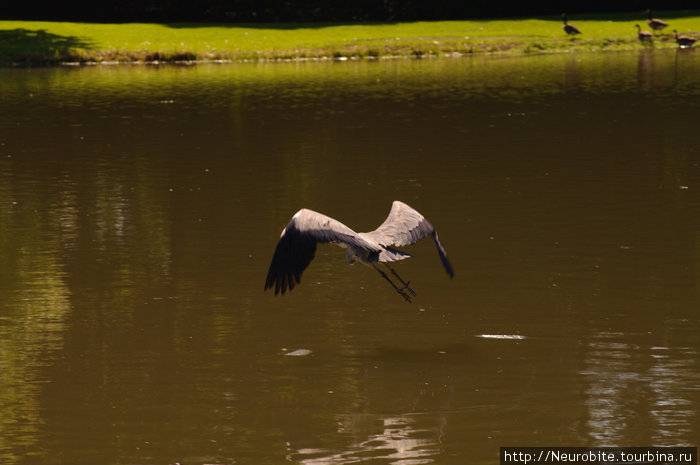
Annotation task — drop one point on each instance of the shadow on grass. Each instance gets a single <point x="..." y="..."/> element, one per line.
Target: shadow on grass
<point x="25" y="46"/>
<point x="279" y="25"/>
<point x="624" y="17"/>
<point x="613" y="17"/>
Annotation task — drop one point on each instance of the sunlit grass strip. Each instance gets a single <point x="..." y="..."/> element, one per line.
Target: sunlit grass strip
<point x="29" y="42"/>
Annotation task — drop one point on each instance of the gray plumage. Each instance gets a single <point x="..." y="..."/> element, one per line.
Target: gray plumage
<point x="297" y="244"/>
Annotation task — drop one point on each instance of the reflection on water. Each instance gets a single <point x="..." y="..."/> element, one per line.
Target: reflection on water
<point x="621" y="376"/>
<point x="396" y="440"/>
<point x="139" y="207"/>
<point x="31" y="337"/>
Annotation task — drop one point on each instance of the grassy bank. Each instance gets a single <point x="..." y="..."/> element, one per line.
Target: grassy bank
<point x="39" y="43"/>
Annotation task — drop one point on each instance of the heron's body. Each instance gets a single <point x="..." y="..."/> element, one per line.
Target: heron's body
<point x="570" y="29"/>
<point x="297" y="244"/>
<point x="683" y="41"/>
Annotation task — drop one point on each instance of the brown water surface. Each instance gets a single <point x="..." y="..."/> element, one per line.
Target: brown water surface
<point x="140" y="206"/>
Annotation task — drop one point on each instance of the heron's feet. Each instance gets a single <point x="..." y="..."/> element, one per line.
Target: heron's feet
<point x="400" y="290"/>
<point x="404" y="295"/>
<point x="407" y="286"/>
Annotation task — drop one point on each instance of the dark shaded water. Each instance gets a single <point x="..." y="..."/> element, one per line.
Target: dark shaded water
<point x="140" y="206"/>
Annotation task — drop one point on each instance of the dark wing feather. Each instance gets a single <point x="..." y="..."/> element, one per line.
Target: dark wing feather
<point x="405" y="226"/>
<point x="297" y="247"/>
<point x="293" y="254"/>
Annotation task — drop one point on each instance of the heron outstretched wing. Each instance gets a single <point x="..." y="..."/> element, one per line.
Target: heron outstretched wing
<point x="405" y="226"/>
<point x="297" y="246"/>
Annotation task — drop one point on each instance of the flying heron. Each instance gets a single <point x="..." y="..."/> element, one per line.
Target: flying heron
<point x="297" y="245"/>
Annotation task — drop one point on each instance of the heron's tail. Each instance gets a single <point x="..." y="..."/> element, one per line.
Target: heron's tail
<point x="388" y="254"/>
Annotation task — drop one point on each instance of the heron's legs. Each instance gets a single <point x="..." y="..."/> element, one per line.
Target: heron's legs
<point x="400" y="291"/>
<point x="405" y="283"/>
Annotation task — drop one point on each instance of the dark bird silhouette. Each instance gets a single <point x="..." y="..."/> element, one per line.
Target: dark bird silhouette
<point x="297" y="245"/>
<point x="683" y="41"/>
<point x="655" y="23"/>
<point x="570" y="29"/>
<point x="643" y="35"/>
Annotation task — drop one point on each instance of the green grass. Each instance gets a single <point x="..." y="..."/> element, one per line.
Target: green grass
<point x="30" y="42"/>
